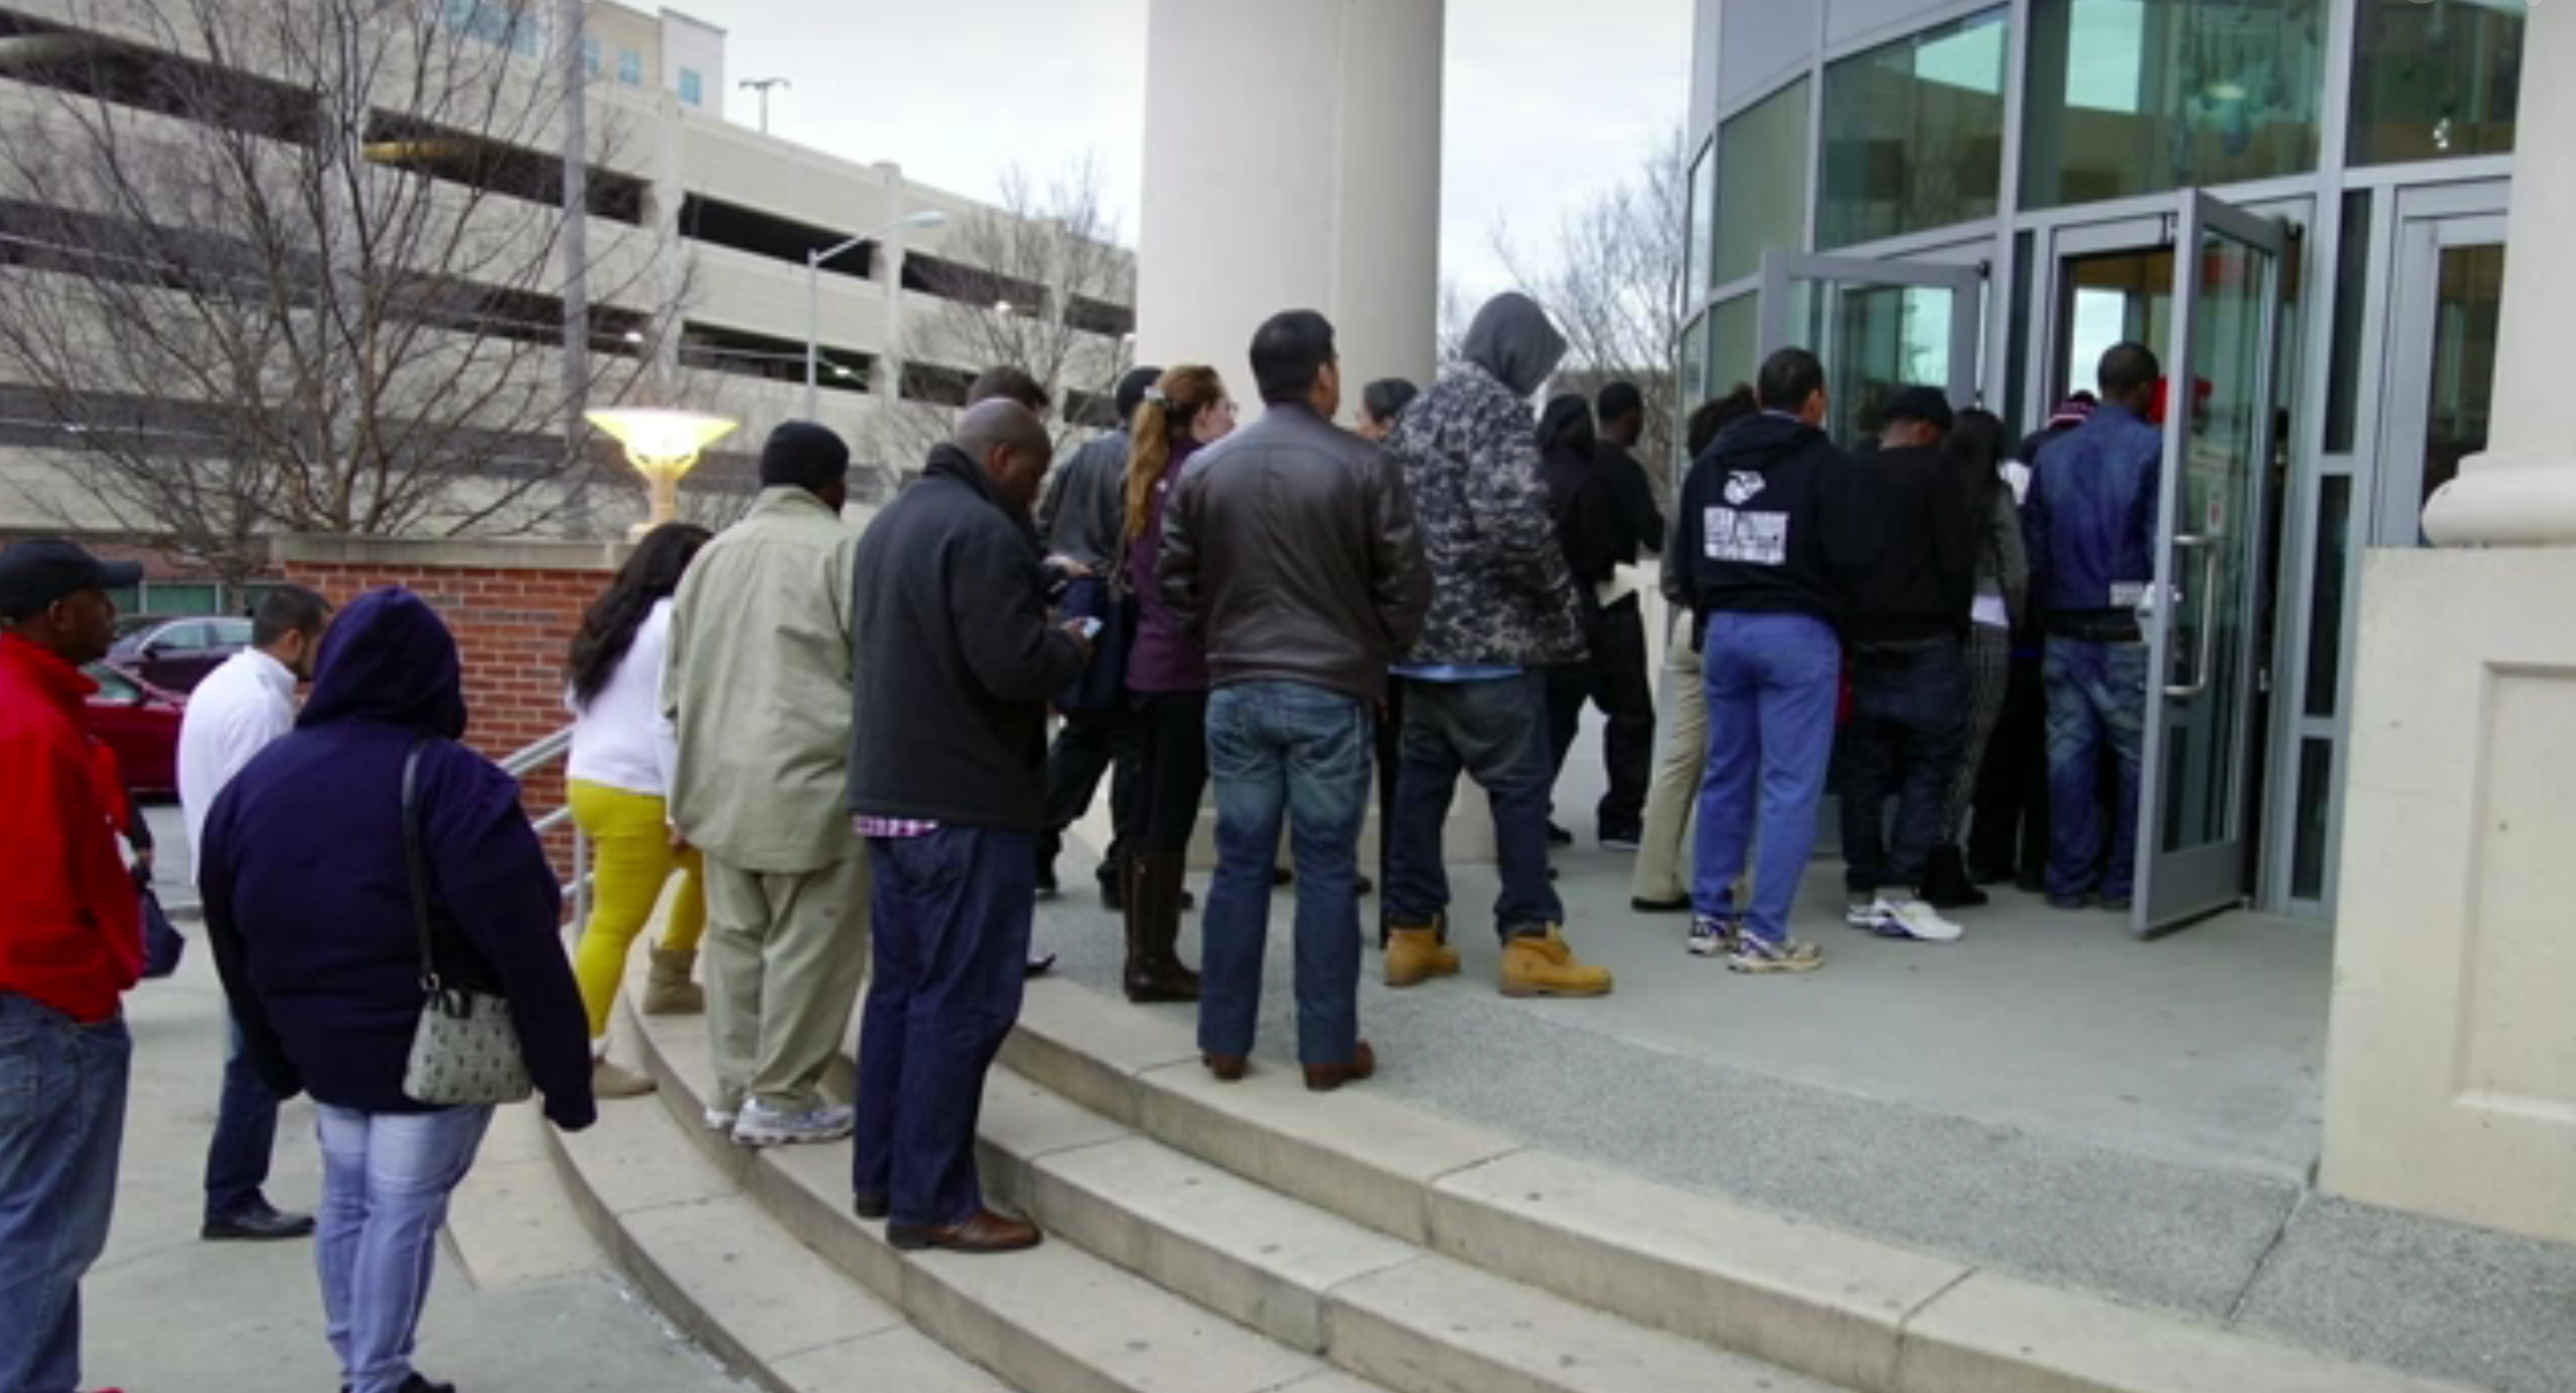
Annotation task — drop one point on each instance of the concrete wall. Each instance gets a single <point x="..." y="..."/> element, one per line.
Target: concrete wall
<point x="697" y="46"/>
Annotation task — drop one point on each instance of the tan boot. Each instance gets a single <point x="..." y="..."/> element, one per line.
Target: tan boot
<point x="1415" y="955"/>
<point x="667" y="988"/>
<point x="1545" y="966"/>
<point x="611" y="1081"/>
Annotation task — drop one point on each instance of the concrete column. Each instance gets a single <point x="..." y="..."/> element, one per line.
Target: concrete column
<point x="2451" y="1068"/>
<point x="887" y="386"/>
<point x="1292" y="161"/>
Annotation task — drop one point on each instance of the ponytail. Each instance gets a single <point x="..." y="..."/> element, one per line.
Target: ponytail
<point x="1170" y="408"/>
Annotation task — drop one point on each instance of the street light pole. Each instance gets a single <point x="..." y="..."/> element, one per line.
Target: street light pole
<point x="926" y="218"/>
<point x="762" y="85"/>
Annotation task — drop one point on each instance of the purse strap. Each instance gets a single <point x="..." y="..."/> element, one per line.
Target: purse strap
<point x="417" y="861"/>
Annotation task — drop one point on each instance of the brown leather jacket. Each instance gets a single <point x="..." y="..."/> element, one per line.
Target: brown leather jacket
<point x="1289" y="554"/>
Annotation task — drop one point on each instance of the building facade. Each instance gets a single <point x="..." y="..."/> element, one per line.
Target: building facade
<point x="2299" y="204"/>
<point x="698" y="233"/>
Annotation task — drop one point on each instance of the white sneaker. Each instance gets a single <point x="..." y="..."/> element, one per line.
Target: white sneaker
<point x="1903" y="916"/>
<point x="762" y="1125"/>
<point x="721" y="1119"/>
<point x="1864" y="911"/>
<point x="1711" y="937"/>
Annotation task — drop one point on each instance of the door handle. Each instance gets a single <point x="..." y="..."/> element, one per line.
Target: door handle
<point x="2207" y="544"/>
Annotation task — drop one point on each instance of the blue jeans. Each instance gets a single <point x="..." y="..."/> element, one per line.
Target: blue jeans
<point x="386" y="1179"/>
<point x="245" y="1137"/>
<point x="62" y="1125"/>
<point x="2097" y="699"/>
<point x="952" y="912"/>
<point x="1496" y="732"/>
<point x="1285" y="750"/>
<point x="1773" y="683"/>
<point x="1909" y="720"/>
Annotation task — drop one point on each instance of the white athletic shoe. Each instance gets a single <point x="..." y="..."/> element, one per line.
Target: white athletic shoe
<point x="761" y="1125"/>
<point x="1904" y="916"/>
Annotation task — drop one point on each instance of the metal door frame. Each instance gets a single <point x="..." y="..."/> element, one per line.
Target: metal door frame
<point x="2426" y="226"/>
<point x="2177" y="887"/>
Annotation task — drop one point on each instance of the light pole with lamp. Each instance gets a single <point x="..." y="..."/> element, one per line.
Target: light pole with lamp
<point x="662" y="444"/>
<point x="926" y="218"/>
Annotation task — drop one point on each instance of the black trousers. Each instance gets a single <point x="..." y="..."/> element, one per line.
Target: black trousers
<point x="1172" y="774"/>
<point x="1087" y="746"/>
<point x="2008" y="831"/>
<point x="1614" y="678"/>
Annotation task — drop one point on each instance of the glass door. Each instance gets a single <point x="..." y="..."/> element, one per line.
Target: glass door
<point x="2447" y="298"/>
<point x="2200" y="617"/>
<point x="1877" y="326"/>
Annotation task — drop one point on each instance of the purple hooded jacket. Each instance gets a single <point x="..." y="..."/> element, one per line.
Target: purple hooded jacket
<point x="308" y="896"/>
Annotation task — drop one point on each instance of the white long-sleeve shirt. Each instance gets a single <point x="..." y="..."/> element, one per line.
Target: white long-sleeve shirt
<point x="239" y="710"/>
<point x="621" y="739"/>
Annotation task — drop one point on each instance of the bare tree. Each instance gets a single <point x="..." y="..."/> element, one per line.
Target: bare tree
<point x="298" y="266"/>
<point x="1614" y="283"/>
<point x="1036" y="282"/>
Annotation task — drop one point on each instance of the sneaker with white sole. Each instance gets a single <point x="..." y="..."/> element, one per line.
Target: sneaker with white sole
<point x="762" y="1125"/>
<point x="1903" y="916"/>
<point x="1760" y="955"/>
<point x="1712" y="937"/>
<point x="720" y="1119"/>
<point x="1863" y="911"/>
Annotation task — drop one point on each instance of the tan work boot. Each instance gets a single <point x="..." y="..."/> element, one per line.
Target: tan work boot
<point x="1543" y="965"/>
<point x="667" y="988"/>
<point x="613" y="1081"/>
<point x="1415" y="955"/>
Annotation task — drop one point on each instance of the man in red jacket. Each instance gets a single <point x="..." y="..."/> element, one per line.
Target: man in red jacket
<point x="70" y="945"/>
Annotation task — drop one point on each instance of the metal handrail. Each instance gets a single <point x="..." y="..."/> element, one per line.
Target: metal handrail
<point x="520" y="765"/>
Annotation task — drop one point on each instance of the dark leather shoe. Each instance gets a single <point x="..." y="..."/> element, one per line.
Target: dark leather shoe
<point x="260" y="1224"/>
<point x="987" y="1232"/>
<point x="1040" y="967"/>
<point x="1367" y="886"/>
<point x="1324" y="1078"/>
<point x="1228" y="1068"/>
<point x="871" y="1207"/>
<point x="1643" y="906"/>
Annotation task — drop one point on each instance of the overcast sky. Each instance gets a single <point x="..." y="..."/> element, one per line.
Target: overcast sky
<point x="1545" y="101"/>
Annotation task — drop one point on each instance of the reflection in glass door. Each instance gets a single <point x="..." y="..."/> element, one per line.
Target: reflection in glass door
<point x="2219" y="428"/>
<point x="1877" y="326"/>
<point x="2448" y="295"/>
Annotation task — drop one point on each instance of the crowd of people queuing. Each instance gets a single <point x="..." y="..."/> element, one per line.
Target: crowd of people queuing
<point x="823" y="757"/>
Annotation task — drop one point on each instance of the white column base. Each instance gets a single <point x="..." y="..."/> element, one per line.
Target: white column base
<point x="2451" y="1072"/>
<point x="2506" y="501"/>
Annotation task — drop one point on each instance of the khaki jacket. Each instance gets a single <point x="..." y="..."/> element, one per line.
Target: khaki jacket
<point x="758" y="690"/>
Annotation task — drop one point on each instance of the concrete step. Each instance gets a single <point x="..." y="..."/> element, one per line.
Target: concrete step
<point x="1057" y="1318"/>
<point x="723" y="1269"/>
<point x="1851" y="1311"/>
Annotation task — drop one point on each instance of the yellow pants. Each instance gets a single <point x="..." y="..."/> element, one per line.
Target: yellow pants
<point x="631" y="861"/>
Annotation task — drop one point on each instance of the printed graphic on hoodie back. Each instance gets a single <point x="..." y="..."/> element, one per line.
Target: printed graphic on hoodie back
<point x="1732" y="532"/>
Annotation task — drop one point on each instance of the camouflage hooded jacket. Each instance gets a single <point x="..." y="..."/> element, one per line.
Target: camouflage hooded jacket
<point x="1501" y="593"/>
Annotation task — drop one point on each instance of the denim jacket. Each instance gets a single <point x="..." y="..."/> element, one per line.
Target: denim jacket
<point x="2090" y="519"/>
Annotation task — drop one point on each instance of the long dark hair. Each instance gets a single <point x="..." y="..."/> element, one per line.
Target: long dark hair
<point x="1976" y="447"/>
<point x="649" y="576"/>
<point x="1716" y="414"/>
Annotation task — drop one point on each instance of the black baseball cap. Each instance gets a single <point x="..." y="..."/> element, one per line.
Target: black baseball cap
<point x="1920" y="404"/>
<point x="36" y="574"/>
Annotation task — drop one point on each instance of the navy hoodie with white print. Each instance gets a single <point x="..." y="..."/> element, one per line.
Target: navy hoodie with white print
<point x="1767" y="525"/>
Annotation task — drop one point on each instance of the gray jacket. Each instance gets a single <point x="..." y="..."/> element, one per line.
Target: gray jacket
<point x="1289" y="554"/>
<point x="1085" y="507"/>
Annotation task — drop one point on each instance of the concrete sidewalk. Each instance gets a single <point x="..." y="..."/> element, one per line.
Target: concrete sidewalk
<point x="2049" y="1096"/>
<point x="521" y="1303"/>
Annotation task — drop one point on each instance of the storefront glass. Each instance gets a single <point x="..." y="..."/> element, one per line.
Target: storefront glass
<point x="2129" y="97"/>
<point x="1762" y="182"/>
<point x="2435" y="81"/>
<point x="1914" y="133"/>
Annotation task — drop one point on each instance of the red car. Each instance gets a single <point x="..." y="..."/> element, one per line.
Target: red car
<point x="140" y="722"/>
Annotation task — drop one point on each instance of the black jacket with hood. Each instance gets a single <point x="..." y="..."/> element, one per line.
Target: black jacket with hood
<point x="955" y="660"/>
<point x="1767" y="524"/>
<point x="1912" y="509"/>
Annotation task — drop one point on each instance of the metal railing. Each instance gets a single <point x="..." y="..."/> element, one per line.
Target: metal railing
<point x="554" y="749"/>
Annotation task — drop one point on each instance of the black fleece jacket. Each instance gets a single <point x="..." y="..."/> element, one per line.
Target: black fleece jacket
<point x="1913" y="508"/>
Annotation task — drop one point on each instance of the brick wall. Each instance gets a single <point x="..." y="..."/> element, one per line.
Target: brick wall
<point x="513" y="607"/>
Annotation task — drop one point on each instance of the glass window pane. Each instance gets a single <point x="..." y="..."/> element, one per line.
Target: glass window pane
<point x="2352" y="289"/>
<point x="2434" y="81"/>
<point x="1733" y="353"/>
<point x="1914" y="134"/>
<point x="1874" y="339"/>
<point x="164" y="597"/>
<point x="1703" y="221"/>
<point x="1762" y="182"/>
<point x="2316" y="800"/>
<point x="2462" y="392"/>
<point x="2325" y="612"/>
<point x="2130" y="97"/>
